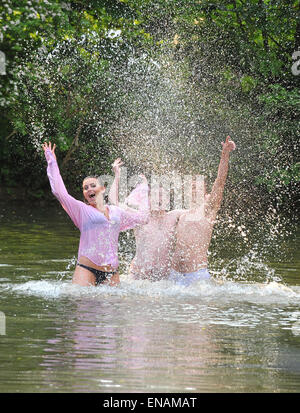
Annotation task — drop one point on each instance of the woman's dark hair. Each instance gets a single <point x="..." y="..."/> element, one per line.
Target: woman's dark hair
<point x="94" y="177"/>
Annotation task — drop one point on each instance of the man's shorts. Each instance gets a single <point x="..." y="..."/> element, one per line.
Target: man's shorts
<point x="189" y="277"/>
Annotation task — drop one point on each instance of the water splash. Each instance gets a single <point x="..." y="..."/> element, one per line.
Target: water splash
<point x="116" y="99"/>
<point x="212" y="291"/>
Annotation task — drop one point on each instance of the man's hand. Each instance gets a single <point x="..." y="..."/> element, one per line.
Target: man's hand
<point x="228" y="145"/>
<point x="117" y="165"/>
<point x="46" y="146"/>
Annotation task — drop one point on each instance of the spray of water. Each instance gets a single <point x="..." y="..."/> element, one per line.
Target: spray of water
<point x="99" y="98"/>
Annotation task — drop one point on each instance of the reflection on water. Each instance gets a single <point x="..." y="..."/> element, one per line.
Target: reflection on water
<point x="237" y="332"/>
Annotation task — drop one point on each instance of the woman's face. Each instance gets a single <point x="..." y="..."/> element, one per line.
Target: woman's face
<point x="91" y="188"/>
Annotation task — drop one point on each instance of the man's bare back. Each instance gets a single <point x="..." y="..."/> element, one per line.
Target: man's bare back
<point x="194" y="229"/>
<point x="154" y="240"/>
<point x="154" y="246"/>
<point x="193" y="234"/>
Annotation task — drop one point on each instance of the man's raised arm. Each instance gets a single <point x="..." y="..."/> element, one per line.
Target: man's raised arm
<point x="216" y="194"/>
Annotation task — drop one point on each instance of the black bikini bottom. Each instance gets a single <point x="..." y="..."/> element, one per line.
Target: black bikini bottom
<point x="101" y="276"/>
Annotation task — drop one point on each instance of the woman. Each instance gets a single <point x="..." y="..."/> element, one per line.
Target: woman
<point x="99" y="224"/>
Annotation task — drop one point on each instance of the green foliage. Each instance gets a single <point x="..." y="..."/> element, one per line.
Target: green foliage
<point x="281" y="99"/>
<point x="77" y="70"/>
<point x="248" y="83"/>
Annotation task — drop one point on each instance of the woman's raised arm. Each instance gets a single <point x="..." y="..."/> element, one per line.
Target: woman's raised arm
<point x="71" y="205"/>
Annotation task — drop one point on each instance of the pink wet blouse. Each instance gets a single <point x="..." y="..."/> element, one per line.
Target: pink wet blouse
<point x="98" y="235"/>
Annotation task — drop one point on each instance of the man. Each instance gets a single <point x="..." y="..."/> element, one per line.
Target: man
<point x="195" y="226"/>
<point x="154" y="240"/>
<point x="154" y="245"/>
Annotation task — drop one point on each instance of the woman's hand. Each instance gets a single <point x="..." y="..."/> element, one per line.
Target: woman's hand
<point x="143" y="178"/>
<point x="46" y="146"/>
<point x="117" y="165"/>
<point x="228" y="145"/>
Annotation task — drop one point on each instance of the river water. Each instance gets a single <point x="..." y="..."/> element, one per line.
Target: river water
<point x="229" y="334"/>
